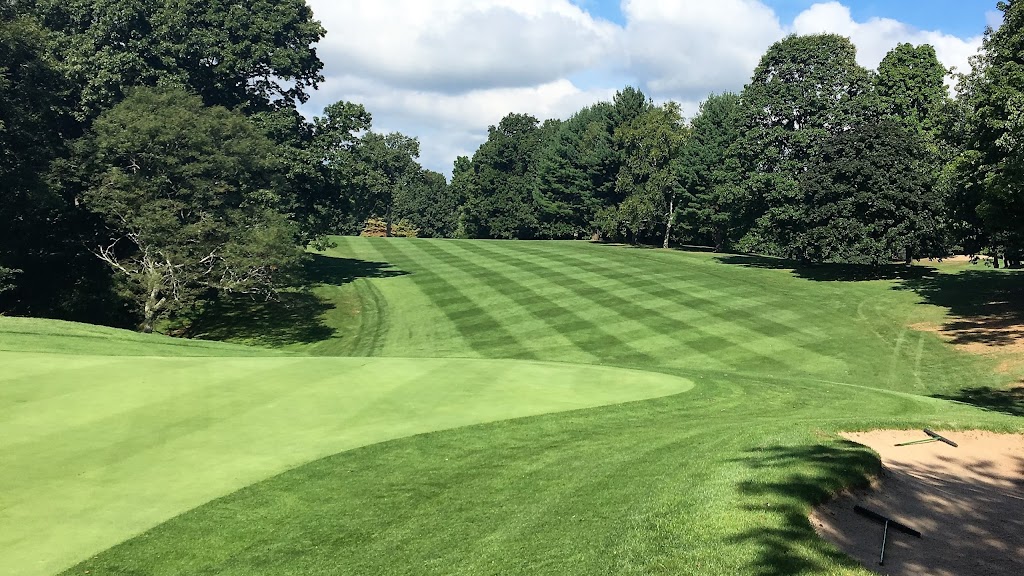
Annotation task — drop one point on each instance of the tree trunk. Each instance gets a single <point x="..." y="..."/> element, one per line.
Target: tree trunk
<point x="671" y="220"/>
<point x="153" y="306"/>
<point x="995" y="261"/>
<point x="909" y="256"/>
<point x="387" y="227"/>
<point x="719" y="239"/>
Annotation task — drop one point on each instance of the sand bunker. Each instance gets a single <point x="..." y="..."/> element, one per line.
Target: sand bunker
<point x="967" y="502"/>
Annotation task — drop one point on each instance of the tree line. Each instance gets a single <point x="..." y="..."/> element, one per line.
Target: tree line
<point x="153" y="157"/>
<point x="817" y="159"/>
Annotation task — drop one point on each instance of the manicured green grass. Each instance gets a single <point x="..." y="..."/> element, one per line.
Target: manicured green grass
<point x="714" y="481"/>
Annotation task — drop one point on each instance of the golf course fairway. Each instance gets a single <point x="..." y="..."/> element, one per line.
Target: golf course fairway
<point x="477" y="407"/>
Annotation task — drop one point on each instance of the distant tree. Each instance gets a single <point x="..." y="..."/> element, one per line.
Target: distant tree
<point x="711" y="203"/>
<point x="989" y="174"/>
<point x="320" y="166"/>
<point x="577" y="172"/>
<point x="870" y="197"/>
<point x="650" y="177"/>
<point x="805" y="90"/>
<point x="429" y="205"/>
<point x="390" y="168"/>
<point x="187" y="196"/>
<point x="501" y="202"/>
<point x="255" y="55"/>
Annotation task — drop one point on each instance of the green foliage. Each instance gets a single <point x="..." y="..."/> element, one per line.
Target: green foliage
<point x="577" y="172"/>
<point x="649" y="180"/>
<point x="990" y="171"/>
<point x="188" y="201"/>
<point x="869" y="197"/>
<point x="500" y="200"/>
<point x="254" y="55"/>
<point x="911" y="87"/>
<point x="429" y="205"/>
<point x="712" y="195"/>
<point x="388" y="168"/>
<point x="317" y="161"/>
<point x="806" y="90"/>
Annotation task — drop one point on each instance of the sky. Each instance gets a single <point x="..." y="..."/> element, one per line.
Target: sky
<point x="445" y="70"/>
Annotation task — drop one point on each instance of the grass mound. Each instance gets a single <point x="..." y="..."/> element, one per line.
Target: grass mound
<point x="715" y="481"/>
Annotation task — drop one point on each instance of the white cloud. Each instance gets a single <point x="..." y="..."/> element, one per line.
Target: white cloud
<point x="460" y="45"/>
<point x="444" y="70"/>
<point x="877" y="36"/>
<point x="690" y="48"/>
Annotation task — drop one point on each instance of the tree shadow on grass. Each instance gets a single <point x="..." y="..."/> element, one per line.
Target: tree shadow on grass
<point x="295" y="316"/>
<point x="791" y="480"/>
<point x="1009" y="401"/>
<point x="833" y="272"/>
<point x="987" y="305"/>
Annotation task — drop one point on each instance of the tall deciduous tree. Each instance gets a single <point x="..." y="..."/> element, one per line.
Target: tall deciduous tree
<point x="869" y="196"/>
<point x="911" y="87"/>
<point x="390" y="168"/>
<point x="188" y="199"/>
<point x="429" y="205"/>
<point x="650" y="177"/>
<point x="805" y="90"/>
<point x="990" y="173"/>
<point x="255" y="55"/>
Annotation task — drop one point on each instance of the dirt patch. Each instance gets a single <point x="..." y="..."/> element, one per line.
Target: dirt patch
<point x="967" y="502"/>
<point x="994" y="335"/>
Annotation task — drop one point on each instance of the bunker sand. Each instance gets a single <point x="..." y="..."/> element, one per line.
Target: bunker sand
<point x="968" y="503"/>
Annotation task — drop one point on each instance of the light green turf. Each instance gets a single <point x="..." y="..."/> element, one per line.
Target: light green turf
<point x="96" y="449"/>
<point x="714" y="481"/>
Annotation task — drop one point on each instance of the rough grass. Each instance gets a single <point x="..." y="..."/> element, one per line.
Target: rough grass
<point x="714" y="481"/>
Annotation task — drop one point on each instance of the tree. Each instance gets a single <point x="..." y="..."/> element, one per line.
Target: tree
<point x="710" y="205"/>
<point x="989" y="173"/>
<point x="577" y="172"/>
<point x="390" y="169"/>
<point x="255" y="55"/>
<point x="501" y="201"/>
<point x="870" y="196"/>
<point x="38" y="231"/>
<point x="320" y="166"/>
<point x="650" y="176"/>
<point x="187" y="196"/>
<point x="805" y="90"/>
<point x="429" y="205"/>
<point x="911" y="87"/>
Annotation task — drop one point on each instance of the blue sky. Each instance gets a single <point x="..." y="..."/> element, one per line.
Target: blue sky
<point x="444" y="70"/>
<point x="959" y="17"/>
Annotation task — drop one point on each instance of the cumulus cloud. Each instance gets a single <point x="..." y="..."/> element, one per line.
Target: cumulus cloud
<point x="690" y="48"/>
<point x="877" y="36"/>
<point x="444" y="70"/>
<point x="460" y="45"/>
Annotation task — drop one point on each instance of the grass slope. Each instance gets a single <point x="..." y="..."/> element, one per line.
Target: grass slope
<point x="715" y="481"/>
<point x="97" y="448"/>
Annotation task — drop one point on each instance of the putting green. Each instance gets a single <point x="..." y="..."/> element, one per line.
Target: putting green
<point x="95" y="449"/>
